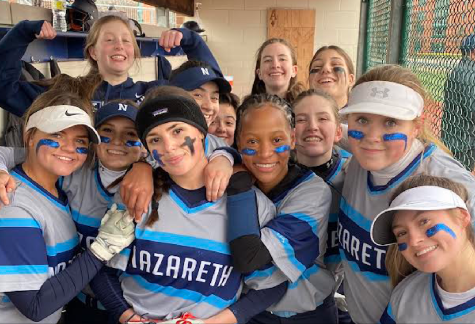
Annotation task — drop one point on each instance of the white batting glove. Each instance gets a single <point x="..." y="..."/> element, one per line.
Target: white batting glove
<point x="340" y="301"/>
<point x="117" y="231"/>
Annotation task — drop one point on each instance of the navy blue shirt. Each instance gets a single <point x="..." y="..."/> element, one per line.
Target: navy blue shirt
<point x="16" y="96"/>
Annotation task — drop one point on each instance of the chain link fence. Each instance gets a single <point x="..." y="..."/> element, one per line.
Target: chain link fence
<point x="377" y="31"/>
<point x="438" y="44"/>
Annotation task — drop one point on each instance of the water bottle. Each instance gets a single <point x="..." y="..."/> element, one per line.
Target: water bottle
<point x="59" y="15"/>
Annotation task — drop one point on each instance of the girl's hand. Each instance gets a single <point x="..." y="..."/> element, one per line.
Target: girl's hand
<point x="170" y="39"/>
<point x="129" y="316"/>
<point x="7" y="185"/>
<point x="217" y="174"/>
<point x="136" y="189"/>
<point x="47" y="31"/>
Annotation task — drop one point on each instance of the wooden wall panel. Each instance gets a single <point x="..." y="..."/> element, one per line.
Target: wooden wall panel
<point x="186" y="7"/>
<point x="297" y="26"/>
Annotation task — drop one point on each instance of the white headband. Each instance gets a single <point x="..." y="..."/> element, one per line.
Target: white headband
<point x="385" y="98"/>
<point x="57" y="118"/>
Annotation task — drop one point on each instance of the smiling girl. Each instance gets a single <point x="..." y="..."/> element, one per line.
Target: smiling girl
<point x="431" y="255"/>
<point x="276" y="70"/>
<point x="182" y="229"/>
<point x="389" y="143"/>
<point x="42" y="266"/>
<point x="317" y="129"/>
<point x="90" y="190"/>
<point x="110" y="49"/>
<point x="291" y="246"/>
<point x="332" y="71"/>
<point x="224" y="125"/>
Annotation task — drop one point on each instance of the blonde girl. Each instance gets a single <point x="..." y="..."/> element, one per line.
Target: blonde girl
<point x="42" y="265"/>
<point x="389" y="143"/>
<point x="431" y="254"/>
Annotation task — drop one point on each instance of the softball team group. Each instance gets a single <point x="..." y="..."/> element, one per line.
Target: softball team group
<point x="170" y="201"/>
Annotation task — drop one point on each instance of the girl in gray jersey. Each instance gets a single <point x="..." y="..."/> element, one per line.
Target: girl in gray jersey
<point x="389" y="143"/>
<point x="291" y="246"/>
<point x="41" y="265"/>
<point x="431" y="254"/>
<point x="180" y="261"/>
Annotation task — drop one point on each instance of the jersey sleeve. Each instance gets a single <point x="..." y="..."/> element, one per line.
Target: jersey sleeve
<point x="15" y="95"/>
<point x="387" y="317"/>
<point x="265" y="207"/>
<point x="446" y="166"/>
<point x="11" y="156"/>
<point x="297" y="236"/>
<point x="212" y="143"/>
<point x="23" y="257"/>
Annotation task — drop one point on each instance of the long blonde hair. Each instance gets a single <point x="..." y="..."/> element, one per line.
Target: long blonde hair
<point x="396" y="265"/>
<point x="398" y="74"/>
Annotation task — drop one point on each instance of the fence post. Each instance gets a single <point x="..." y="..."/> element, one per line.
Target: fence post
<point x="395" y="31"/>
<point x="360" y="56"/>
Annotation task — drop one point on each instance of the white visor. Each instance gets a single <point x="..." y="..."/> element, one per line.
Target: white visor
<point x="57" y="118"/>
<point x="419" y="198"/>
<point x="386" y="99"/>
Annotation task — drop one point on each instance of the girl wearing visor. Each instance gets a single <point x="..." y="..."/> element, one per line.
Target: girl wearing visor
<point x="431" y="253"/>
<point x="389" y="143"/>
<point x="90" y="190"/>
<point x="41" y="265"/>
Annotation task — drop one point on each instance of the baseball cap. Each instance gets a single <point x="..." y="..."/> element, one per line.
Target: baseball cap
<point x="115" y="109"/>
<point x="418" y="198"/>
<point x="386" y="99"/>
<point x="164" y="109"/>
<point x="194" y="26"/>
<point x="57" y="118"/>
<point x="194" y="77"/>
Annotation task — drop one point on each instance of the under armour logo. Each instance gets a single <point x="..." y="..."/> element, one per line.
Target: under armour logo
<point x="204" y="71"/>
<point x="122" y="107"/>
<point x="379" y="93"/>
<point x="159" y="112"/>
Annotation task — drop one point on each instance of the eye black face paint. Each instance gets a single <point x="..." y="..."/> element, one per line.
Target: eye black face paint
<point x="248" y="151"/>
<point x="340" y="72"/>
<point x="157" y="157"/>
<point x="358" y="135"/>
<point x="282" y="149"/>
<point x="46" y="142"/>
<point x="190" y="143"/>
<point x="82" y="150"/>
<point x="440" y="227"/>
<point x="402" y="246"/>
<point x="133" y="143"/>
<point x="105" y="139"/>
<point x="396" y="137"/>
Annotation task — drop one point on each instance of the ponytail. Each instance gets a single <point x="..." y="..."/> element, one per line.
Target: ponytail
<point x="161" y="185"/>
